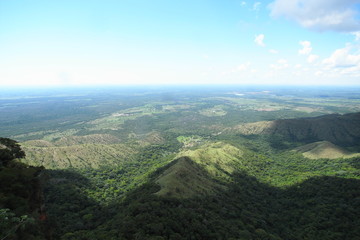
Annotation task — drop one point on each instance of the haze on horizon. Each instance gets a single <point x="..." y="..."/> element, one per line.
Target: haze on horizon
<point x="274" y="42"/>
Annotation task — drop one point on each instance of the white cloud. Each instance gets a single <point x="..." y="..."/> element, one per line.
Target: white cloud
<point x="343" y="58"/>
<point x="319" y="73"/>
<point x="273" y="51"/>
<point x="282" y="61"/>
<point x="259" y="40"/>
<point x="320" y="15"/>
<point x="312" y="58"/>
<point x="280" y="64"/>
<point x="243" y="3"/>
<point x="343" y="63"/>
<point x="243" y="67"/>
<point x="298" y="66"/>
<point x="306" y="50"/>
<point x="256" y="6"/>
<point x="357" y="35"/>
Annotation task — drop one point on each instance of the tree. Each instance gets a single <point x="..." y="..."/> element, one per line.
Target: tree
<point x="9" y="223"/>
<point x="9" y="150"/>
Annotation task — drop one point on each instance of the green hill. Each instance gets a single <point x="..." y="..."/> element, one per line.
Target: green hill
<point x="214" y="169"/>
<point x="88" y="151"/>
<point x="343" y="130"/>
<point x="180" y="202"/>
<point x="207" y="169"/>
<point x="324" y="149"/>
<point x="42" y="153"/>
<point x="219" y="159"/>
<point x="185" y="179"/>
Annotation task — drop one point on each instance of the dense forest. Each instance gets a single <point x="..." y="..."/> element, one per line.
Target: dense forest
<point x="22" y="215"/>
<point x="181" y="165"/>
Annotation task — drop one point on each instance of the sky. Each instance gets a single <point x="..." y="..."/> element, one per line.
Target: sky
<point x="144" y="42"/>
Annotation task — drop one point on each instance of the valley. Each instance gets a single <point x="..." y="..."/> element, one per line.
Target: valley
<point x="188" y="163"/>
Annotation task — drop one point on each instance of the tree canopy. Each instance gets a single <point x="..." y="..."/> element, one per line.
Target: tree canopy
<point x="9" y="150"/>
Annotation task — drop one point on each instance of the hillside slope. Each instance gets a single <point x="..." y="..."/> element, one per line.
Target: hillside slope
<point x="219" y="159"/>
<point x="184" y="178"/>
<point x="243" y="209"/>
<point x="324" y="149"/>
<point x="22" y="212"/>
<point x="77" y="156"/>
<point x="207" y="169"/>
<point x="343" y="130"/>
<point x="199" y="172"/>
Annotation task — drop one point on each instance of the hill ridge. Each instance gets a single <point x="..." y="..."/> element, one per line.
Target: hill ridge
<point x="324" y="149"/>
<point x="185" y="179"/>
<point x="342" y="130"/>
<point x="200" y="172"/>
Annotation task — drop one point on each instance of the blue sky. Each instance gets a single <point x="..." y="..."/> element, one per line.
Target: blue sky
<point x="292" y="42"/>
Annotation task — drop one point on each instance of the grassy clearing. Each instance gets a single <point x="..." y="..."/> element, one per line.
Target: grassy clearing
<point x="191" y="141"/>
<point x="117" y="119"/>
<point x="215" y="111"/>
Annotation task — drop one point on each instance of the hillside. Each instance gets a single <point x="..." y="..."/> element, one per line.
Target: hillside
<point x="179" y="202"/>
<point x="219" y="159"/>
<point x="324" y="149"/>
<point x="88" y="151"/>
<point x="343" y="130"/>
<point x="185" y="179"/>
<point x="43" y="153"/>
<point x="201" y="171"/>
<point x="190" y="165"/>
<point x="22" y="212"/>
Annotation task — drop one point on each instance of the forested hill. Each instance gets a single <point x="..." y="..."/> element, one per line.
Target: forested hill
<point x="343" y="130"/>
<point x="234" y="165"/>
<point x="185" y="201"/>
<point x="213" y="191"/>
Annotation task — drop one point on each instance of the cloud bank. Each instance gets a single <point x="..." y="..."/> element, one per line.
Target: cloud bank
<point x="320" y="15"/>
<point x="343" y="58"/>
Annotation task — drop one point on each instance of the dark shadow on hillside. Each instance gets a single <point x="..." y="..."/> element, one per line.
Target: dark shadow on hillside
<point x="318" y="208"/>
<point x="21" y="202"/>
<point x="342" y="130"/>
<point x="355" y="162"/>
<point x="68" y="207"/>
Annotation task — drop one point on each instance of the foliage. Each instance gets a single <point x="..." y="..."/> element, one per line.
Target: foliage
<point x="81" y="195"/>
<point x="9" y="223"/>
<point x="110" y="151"/>
<point x="247" y="210"/>
<point x="9" y="150"/>
<point x="20" y="197"/>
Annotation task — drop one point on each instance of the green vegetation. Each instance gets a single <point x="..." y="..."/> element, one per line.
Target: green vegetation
<point x="9" y="150"/>
<point x="20" y="195"/>
<point x="191" y="141"/>
<point x="185" y="179"/>
<point x="78" y="156"/>
<point x="224" y="164"/>
<point x="324" y="149"/>
<point x="214" y="111"/>
<point x="246" y="210"/>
